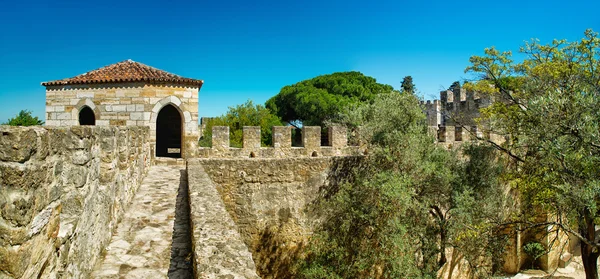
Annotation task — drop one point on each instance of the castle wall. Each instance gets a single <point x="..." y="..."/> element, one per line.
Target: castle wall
<point x="126" y="104"/>
<point x="269" y="200"/>
<point x="62" y="191"/>
<point x="282" y="143"/>
<point x="219" y="251"/>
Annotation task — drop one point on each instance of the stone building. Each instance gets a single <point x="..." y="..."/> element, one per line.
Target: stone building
<point x="454" y="115"/>
<point x="130" y="93"/>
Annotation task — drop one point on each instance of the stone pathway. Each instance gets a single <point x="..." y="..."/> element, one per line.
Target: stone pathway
<point x="141" y="245"/>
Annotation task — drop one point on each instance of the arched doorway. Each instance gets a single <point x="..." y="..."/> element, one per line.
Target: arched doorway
<point x="86" y="116"/>
<point x="168" y="132"/>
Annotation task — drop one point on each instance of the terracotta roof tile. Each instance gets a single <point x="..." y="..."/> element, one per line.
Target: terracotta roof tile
<point x="125" y="71"/>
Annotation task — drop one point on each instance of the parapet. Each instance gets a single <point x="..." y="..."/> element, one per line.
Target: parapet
<point x="456" y="135"/>
<point x="337" y="143"/>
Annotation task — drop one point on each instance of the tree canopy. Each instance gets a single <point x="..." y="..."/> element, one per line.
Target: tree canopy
<point x="391" y="217"/>
<point x="247" y="114"/>
<point x="24" y="118"/>
<point x="547" y="106"/>
<point x="408" y="85"/>
<point x="313" y="101"/>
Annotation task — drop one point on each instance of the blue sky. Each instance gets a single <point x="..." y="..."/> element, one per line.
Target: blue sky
<point x="250" y="49"/>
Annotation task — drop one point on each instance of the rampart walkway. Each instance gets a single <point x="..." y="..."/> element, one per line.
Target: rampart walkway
<point x="143" y="243"/>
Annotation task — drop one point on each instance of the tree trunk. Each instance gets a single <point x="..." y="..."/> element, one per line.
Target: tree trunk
<point x="589" y="254"/>
<point x="442" y="247"/>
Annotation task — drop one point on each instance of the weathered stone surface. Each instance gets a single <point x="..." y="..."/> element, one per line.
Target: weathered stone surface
<point x="268" y="199"/>
<point x="17" y="144"/>
<point x="56" y="213"/>
<point x="218" y="246"/>
<point x="141" y="245"/>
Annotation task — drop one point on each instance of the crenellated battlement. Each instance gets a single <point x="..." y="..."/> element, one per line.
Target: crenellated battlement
<point x="282" y="143"/>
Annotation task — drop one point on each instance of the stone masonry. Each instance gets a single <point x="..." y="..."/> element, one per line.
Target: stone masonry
<point x="141" y="245"/>
<point x="127" y="93"/>
<point x="62" y="192"/>
<point x="219" y="251"/>
<point x="282" y="144"/>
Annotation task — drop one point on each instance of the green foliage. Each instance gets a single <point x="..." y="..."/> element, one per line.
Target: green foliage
<point x="547" y="106"/>
<point x="408" y="85"/>
<point x="247" y="114"/>
<point x="454" y="85"/>
<point x="24" y="118"/>
<point x="313" y="101"/>
<point x="534" y="250"/>
<point x="390" y="218"/>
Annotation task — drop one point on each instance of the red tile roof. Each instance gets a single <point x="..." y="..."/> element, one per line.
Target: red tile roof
<point x="126" y="71"/>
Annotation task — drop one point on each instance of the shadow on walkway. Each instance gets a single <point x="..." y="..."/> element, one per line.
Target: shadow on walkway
<point x="181" y="249"/>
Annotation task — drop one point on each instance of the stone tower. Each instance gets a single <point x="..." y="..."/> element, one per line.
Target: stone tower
<point x="130" y="93"/>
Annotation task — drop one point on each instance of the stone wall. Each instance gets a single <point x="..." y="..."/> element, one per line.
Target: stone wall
<point x="219" y="251"/>
<point x="269" y="200"/>
<point x="282" y="143"/>
<point x="126" y="104"/>
<point x="62" y="191"/>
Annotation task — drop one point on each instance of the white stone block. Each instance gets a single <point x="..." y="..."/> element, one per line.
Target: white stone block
<point x="139" y="107"/>
<point x="74" y="101"/>
<point x="130" y="107"/>
<point x="175" y="100"/>
<point x="85" y="95"/>
<point x="108" y="108"/>
<point x="62" y="115"/>
<point x="154" y="100"/>
<point x="147" y="116"/>
<point x="119" y="107"/>
<point x="59" y="108"/>
<point x="120" y="93"/>
<point x="68" y="123"/>
<point x="102" y="122"/>
<point x="187" y="94"/>
<point x="90" y="104"/>
<point x="156" y="108"/>
<point x="136" y="116"/>
<point x="187" y="116"/>
<point x="52" y="122"/>
<point x="130" y="123"/>
<point x="49" y="109"/>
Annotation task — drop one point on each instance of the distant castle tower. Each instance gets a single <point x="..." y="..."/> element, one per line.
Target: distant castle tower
<point x="453" y="116"/>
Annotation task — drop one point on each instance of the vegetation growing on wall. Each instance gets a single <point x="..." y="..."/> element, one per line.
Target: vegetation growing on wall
<point x="24" y="118"/>
<point x="247" y="114"/>
<point x="548" y="107"/>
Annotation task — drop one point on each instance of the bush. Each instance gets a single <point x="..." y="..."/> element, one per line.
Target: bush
<point x="534" y="250"/>
<point x="24" y="118"/>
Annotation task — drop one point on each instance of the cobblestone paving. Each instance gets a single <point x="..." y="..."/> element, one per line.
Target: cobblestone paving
<point x="141" y="246"/>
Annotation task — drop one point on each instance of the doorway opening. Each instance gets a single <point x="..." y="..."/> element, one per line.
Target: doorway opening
<point x="168" y="132"/>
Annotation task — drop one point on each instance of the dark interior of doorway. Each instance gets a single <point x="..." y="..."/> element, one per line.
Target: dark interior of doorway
<point x="168" y="133"/>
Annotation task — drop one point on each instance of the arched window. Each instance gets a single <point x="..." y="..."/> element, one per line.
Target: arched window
<point x="86" y="116"/>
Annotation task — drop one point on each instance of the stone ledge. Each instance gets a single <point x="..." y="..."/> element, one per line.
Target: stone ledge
<point x="218" y="248"/>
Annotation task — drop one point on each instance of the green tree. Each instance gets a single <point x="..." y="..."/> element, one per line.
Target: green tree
<point x="313" y="101"/>
<point x="247" y="114"/>
<point x="408" y="85"/>
<point x="454" y="85"/>
<point x="24" y="118"/>
<point x="547" y="108"/>
<point x="391" y="217"/>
